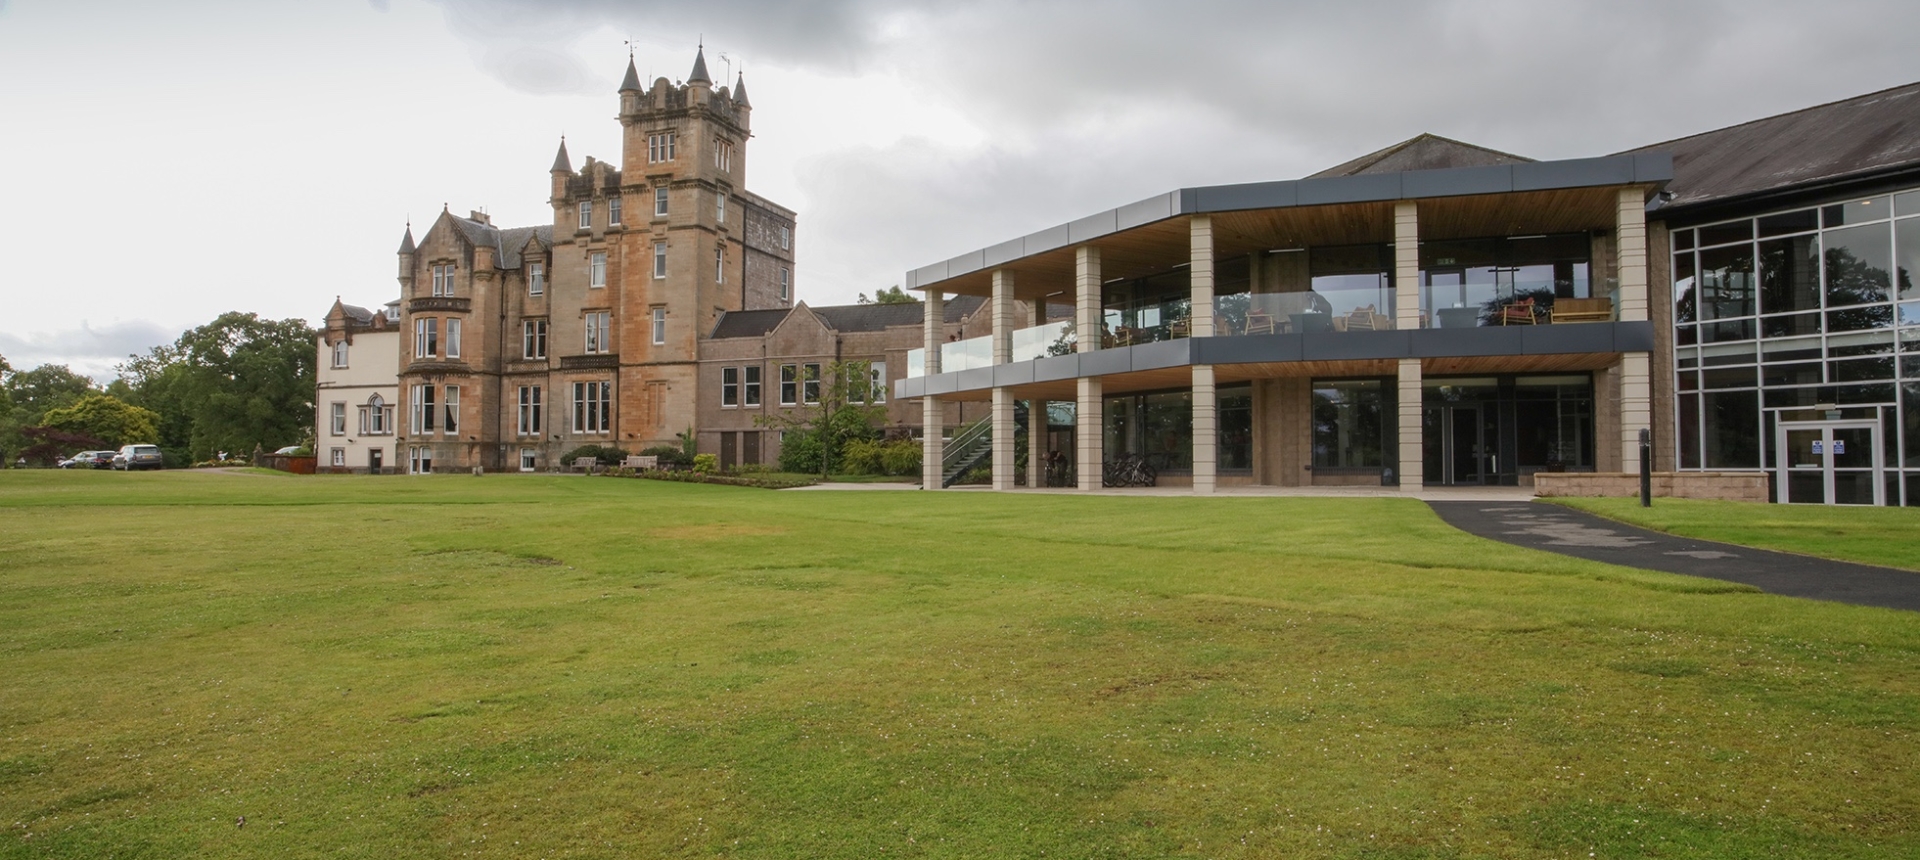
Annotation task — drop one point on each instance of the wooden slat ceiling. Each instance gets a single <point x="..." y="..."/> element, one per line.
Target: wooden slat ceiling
<point x="1160" y="246"/>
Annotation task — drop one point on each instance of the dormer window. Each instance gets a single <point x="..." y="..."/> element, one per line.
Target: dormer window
<point x="443" y="280"/>
<point x="340" y="353"/>
<point x="613" y="210"/>
<point x="660" y="147"/>
<point x="536" y="279"/>
<point x="586" y="214"/>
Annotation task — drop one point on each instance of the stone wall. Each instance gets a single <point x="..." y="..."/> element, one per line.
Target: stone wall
<point x="1724" y="486"/>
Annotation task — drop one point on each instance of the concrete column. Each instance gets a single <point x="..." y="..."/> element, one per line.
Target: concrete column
<point x="1003" y="323"/>
<point x="1036" y="413"/>
<point x="1630" y="254"/>
<point x="1410" y="448"/>
<point x="1406" y="265"/>
<point x="1090" y="399"/>
<point x="1003" y="412"/>
<point x="1636" y="406"/>
<point x="932" y="417"/>
<point x="1206" y="424"/>
<point x="1200" y="280"/>
<point x="1089" y="446"/>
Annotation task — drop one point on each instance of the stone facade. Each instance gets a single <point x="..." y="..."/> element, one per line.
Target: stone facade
<point x="355" y="395"/>
<point x="1725" y="486"/>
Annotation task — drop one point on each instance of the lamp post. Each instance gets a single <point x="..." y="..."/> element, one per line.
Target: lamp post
<point x="1646" y="468"/>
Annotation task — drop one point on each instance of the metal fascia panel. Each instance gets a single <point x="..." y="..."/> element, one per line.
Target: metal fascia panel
<point x="1017" y="373"/>
<point x="972" y="262"/>
<point x="1156" y="208"/>
<point x="976" y="378"/>
<point x="1247" y="349"/>
<point x="942" y="383"/>
<point x="1005" y="252"/>
<point x="1048" y="239"/>
<point x="1253" y="195"/>
<point x="1350" y="189"/>
<point x="1653" y="167"/>
<point x="1166" y="353"/>
<point x="1093" y="226"/>
<point x="1056" y="367"/>
<point x="1573" y="173"/>
<point x="1566" y="338"/>
<point x="1457" y="181"/>
<point x="929" y="275"/>
<point x="1102" y="362"/>
<point x="1636" y="336"/>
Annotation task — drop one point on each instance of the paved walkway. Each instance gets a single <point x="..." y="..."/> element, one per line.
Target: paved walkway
<point x="1569" y="532"/>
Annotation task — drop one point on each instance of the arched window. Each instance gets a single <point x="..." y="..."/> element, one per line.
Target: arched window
<point x="376" y="418"/>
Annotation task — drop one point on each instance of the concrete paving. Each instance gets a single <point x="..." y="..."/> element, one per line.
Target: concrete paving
<point x="1569" y="532"/>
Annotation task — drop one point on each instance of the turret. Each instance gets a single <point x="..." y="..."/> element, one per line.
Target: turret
<point x="562" y="168"/>
<point x="406" y="261"/>
<point x="741" y="106"/>
<point x="699" y="85"/>
<point x="630" y="91"/>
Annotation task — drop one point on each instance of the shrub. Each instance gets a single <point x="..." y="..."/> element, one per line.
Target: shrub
<point x="670" y="455"/>
<point x="706" y="463"/>
<point x="863" y="457"/>
<point x="605" y="455"/>
<point x="902" y="457"/>
<point x="800" y="452"/>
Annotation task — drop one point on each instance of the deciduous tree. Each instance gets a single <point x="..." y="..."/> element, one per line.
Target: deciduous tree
<point x="106" y="418"/>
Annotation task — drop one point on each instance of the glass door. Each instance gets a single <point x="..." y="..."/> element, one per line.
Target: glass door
<point x="1454" y="445"/>
<point x="1830" y="463"/>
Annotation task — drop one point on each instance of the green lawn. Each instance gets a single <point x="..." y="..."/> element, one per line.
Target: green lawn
<point x="1883" y="536"/>
<point x="560" y="666"/>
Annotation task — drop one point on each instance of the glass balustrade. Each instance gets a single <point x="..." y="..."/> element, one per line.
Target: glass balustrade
<point x="1054" y="338"/>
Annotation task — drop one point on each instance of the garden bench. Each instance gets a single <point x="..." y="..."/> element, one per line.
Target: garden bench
<point x="643" y="462"/>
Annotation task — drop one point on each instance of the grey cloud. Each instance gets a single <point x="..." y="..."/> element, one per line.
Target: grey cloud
<point x="89" y="349"/>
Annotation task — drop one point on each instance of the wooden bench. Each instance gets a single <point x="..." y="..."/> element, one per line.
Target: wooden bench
<point x="584" y="465"/>
<point x="1582" y="310"/>
<point x="645" y="463"/>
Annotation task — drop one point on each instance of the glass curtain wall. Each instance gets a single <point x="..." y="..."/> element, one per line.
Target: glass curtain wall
<point x="1777" y="314"/>
<point x="1158" y="426"/>
<point x="1475" y="282"/>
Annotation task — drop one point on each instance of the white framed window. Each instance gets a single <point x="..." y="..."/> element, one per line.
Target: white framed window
<point x="533" y="339"/>
<point x="339" y="456"/>
<point x="660" y="147"/>
<point x="393" y="312"/>
<point x="659" y="260"/>
<point x="420" y="460"/>
<point x="453" y="337"/>
<point x="720" y="207"/>
<point x="750" y="388"/>
<point x="877" y="374"/>
<point x="597" y="269"/>
<point x="443" y="280"/>
<point x="659" y="326"/>
<point x="426" y="337"/>
<point x="720" y="264"/>
<point x="452" y="424"/>
<point x="421" y="401"/>
<point x="660" y="201"/>
<point x="586" y="214"/>
<point x="786" y="283"/>
<point x="340" y="353"/>
<point x="529" y="459"/>
<point x="810" y="385"/>
<point x="613" y="209"/>
<point x="536" y="279"/>
<point x="723" y="156"/>
<point x="729" y="387"/>
<point x="376" y="418"/>
<point x="529" y="410"/>
<point x="599" y="337"/>
<point x="592" y="407"/>
<point x="786" y="238"/>
<point x="789" y="384"/>
<point x="337" y="419"/>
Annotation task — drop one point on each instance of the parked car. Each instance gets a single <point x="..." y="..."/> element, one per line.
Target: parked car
<point x="88" y="460"/>
<point x="133" y="457"/>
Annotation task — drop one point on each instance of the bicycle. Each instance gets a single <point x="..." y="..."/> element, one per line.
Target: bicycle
<point x="1128" y="470"/>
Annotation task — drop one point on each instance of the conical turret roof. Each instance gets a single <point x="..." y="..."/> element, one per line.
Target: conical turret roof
<point x="560" y="162"/>
<point x="699" y="75"/>
<point x="632" y="82"/>
<point x="740" y="91"/>
<point x="406" y="244"/>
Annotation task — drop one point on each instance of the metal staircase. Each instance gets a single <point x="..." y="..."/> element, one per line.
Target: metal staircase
<point x="973" y="444"/>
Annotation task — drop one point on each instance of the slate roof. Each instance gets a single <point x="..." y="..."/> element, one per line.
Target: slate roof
<point x="740" y="91"/>
<point x="1422" y="152"/>
<point x="699" y="75"/>
<point x="632" y="81"/>
<point x="1848" y="139"/>
<point x="561" y="163"/>
<point x="356" y="313"/>
<point x="506" y="243"/>
<point x="844" y="318"/>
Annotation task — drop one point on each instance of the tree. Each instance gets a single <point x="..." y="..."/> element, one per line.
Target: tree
<point x="844" y="411"/>
<point x="233" y="384"/>
<point x="29" y="394"/>
<point x="106" y="418"/>
<point x="890" y="296"/>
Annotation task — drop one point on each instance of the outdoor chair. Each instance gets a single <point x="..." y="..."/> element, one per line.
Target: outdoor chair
<point x="1260" y="322"/>
<point x="1582" y="310"/>
<point x="1518" y="313"/>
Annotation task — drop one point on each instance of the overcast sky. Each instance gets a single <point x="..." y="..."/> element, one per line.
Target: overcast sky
<point x="162" y="163"/>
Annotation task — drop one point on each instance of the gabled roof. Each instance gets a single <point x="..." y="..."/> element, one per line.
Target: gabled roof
<point x="1851" y="138"/>
<point x="506" y="243"/>
<point x="1423" y="152"/>
<point x="356" y="313"/>
<point x="844" y="318"/>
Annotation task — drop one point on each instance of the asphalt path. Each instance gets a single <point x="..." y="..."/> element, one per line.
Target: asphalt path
<point x="1554" y="528"/>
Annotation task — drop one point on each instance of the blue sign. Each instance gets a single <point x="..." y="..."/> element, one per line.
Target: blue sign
<point x="1839" y="446"/>
<point x="1819" y="447"/>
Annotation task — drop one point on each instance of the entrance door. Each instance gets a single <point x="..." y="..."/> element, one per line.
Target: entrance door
<point x="1455" y="443"/>
<point x="1830" y="463"/>
<point x="374" y="457"/>
<point x="729" y="456"/>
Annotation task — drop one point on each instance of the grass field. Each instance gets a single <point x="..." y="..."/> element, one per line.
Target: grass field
<point x="586" y="667"/>
<point x="1883" y="536"/>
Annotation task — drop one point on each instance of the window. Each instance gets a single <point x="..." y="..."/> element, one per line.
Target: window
<point x="877" y="376"/>
<point x="613" y="210"/>
<point x="729" y="387"/>
<point x="453" y="409"/>
<point x="592" y="407"/>
<point x="720" y="264"/>
<point x="720" y="207"/>
<point x="659" y="260"/>
<point x="420" y="460"/>
<point x="339" y="419"/>
<point x="340" y="353"/>
<point x="339" y="456"/>
<point x="529" y="410"/>
<point x="810" y="385"/>
<point x="723" y="156"/>
<point x="1350" y="423"/>
<point x="393" y="312"/>
<point x="660" y="147"/>
<point x="376" y="418"/>
<point x="586" y="214"/>
<point x="599" y="332"/>
<point x="533" y="339"/>
<point x="597" y="269"/>
<point x="426" y="337"/>
<point x="660" y="201"/>
<point x="659" y="326"/>
<point x="786" y="283"/>
<point x="529" y="459"/>
<point x="443" y="280"/>
<point x="422" y="402"/>
<point x="750" y="394"/>
<point x="536" y="279"/>
<point x="786" y="238"/>
<point x="453" y="338"/>
<point x="789" y="384"/>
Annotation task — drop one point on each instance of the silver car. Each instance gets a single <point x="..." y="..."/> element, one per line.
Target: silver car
<point x="133" y="457"/>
